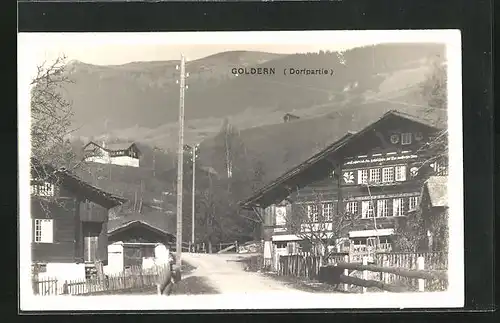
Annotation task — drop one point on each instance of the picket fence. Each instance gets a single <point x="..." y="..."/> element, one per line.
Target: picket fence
<point x="408" y="260"/>
<point x="305" y="265"/>
<point x="134" y="278"/>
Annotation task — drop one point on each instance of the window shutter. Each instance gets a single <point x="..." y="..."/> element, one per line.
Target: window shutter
<point x="365" y="205"/>
<point x="380" y="208"/>
<point x="360" y="176"/>
<point x="400" y="173"/>
<point x="47" y="231"/>
<point x="403" y="173"/>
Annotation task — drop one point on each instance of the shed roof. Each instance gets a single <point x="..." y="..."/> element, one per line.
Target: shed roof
<point x="157" y="221"/>
<point x="437" y="188"/>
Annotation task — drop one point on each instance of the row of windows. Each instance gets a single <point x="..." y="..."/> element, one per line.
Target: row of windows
<point x="132" y="154"/>
<point x="44" y="190"/>
<point x="325" y="210"/>
<point x="382" y="175"/>
<point x="381" y="208"/>
<point x="369" y="209"/>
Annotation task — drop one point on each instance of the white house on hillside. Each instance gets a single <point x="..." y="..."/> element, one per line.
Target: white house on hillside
<point x="124" y="154"/>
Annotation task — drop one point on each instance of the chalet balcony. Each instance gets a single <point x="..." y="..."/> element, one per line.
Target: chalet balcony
<point x="383" y="184"/>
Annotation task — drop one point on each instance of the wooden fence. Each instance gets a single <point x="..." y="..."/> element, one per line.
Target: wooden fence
<point x="305" y="264"/>
<point x="387" y="268"/>
<point x="133" y="278"/>
<point x="341" y="274"/>
<point x="432" y="260"/>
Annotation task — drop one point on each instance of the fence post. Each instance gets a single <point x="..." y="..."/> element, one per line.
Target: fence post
<point x="346" y="273"/>
<point x="385" y="276"/>
<point x="365" y="272"/>
<point x="65" y="287"/>
<point x="421" y="266"/>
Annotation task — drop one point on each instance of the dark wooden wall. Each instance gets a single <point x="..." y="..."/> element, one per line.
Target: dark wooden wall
<point x="64" y="217"/>
<point x="375" y="141"/>
<point x="91" y="212"/>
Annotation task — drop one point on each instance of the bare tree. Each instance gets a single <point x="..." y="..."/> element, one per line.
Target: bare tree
<point x="318" y="223"/>
<point x="434" y="91"/>
<point x="51" y="117"/>
<point x="411" y="233"/>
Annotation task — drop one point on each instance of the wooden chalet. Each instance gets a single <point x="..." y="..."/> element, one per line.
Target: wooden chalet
<point x="139" y="240"/>
<point x="290" y="117"/>
<point x="69" y="223"/>
<point x="376" y="173"/>
<point x="124" y="154"/>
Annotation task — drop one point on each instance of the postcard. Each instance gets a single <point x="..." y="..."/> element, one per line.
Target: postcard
<point x="240" y="170"/>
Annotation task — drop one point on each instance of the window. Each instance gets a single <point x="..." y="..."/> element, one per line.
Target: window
<point x="148" y="251"/>
<point x="90" y="248"/>
<point x="413" y="203"/>
<point x="400" y="173"/>
<point x="362" y="176"/>
<point x="312" y="213"/>
<point x="382" y="208"/>
<point x="43" y="189"/>
<point x="397" y="207"/>
<point x="328" y="211"/>
<point x="352" y="207"/>
<point x="388" y="175"/>
<point x="375" y="175"/>
<point x="406" y="138"/>
<point x="280" y="216"/>
<point x="367" y="209"/>
<point x="281" y="245"/>
<point x="440" y="168"/>
<point x="44" y="232"/>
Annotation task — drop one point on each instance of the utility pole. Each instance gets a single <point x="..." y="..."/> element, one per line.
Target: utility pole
<point x="193" y="195"/>
<point x="154" y="162"/>
<point x="180" y="162"/>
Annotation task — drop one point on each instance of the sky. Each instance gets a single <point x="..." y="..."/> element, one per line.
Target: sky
<point x="122" y="48"/>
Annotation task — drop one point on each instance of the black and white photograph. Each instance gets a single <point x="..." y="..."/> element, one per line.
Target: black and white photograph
<point x="240" y="170"/>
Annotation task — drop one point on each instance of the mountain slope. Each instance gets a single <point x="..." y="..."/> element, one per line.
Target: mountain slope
<point x="139" y="101"/>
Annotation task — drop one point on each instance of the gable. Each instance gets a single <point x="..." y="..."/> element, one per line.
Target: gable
<point x="373" y="139"/>
<point x="391" y="134"/>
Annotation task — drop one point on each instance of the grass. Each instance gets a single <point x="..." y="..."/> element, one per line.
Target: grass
<point x="304" y="284"/>
<point x="190" y="286"/>
<point x="194" y="285"/>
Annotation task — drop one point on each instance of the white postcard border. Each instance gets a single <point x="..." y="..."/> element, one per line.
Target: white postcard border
<point x="29" y="47"/>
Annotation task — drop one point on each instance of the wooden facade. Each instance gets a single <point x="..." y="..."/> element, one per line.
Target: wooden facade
<point x="377" y="173"/>
<point x="67" y="215"/>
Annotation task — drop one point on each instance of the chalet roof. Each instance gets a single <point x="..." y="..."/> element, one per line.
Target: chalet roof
<point x="119" y="146"/>
<point x="437" y="188"/>
<point x="77" y="186"/>
<point x="156" y="221"/>
<point x="112" y="146"/>
<point x="311" y="169"/>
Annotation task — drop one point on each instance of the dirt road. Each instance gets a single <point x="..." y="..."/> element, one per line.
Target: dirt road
<point x="227" y="275"/>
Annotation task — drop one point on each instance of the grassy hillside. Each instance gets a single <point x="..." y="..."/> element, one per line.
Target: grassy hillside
<point x="139" y="101"/>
